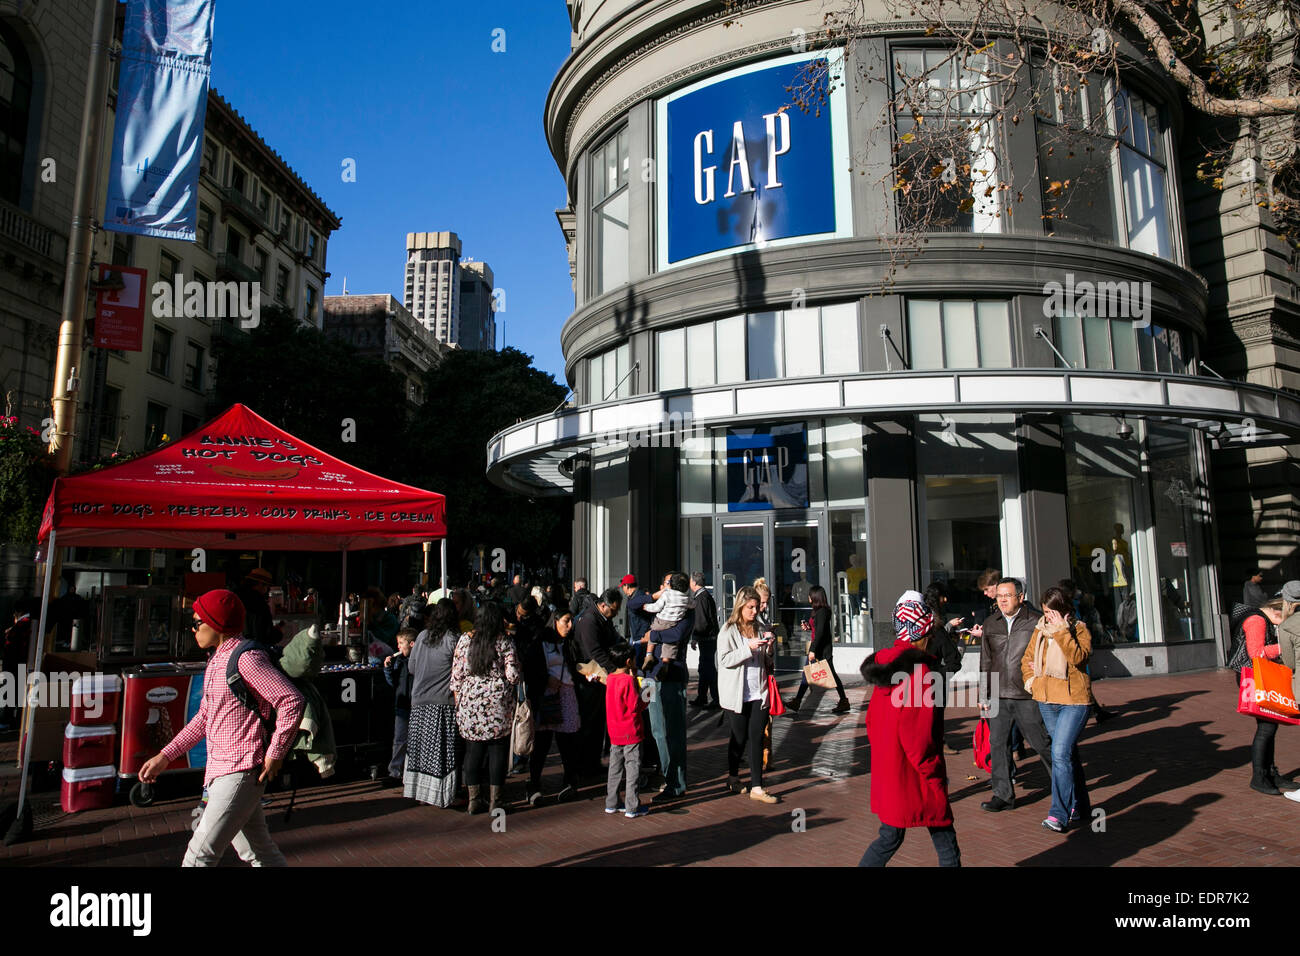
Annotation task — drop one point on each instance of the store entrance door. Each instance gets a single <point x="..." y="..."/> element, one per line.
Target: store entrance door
<point x="790" y="550"/>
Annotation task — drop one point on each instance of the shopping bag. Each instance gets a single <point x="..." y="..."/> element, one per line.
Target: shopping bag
<point x="776" y="706"/>
<point x="1273" y="687"/>
<point x="1249" y="702"/>
<point x="521" y="734"/>
<point x="819" y="675"/>
<point x="983" y="748"/>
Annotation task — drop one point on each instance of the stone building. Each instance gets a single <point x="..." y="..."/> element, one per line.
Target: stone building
<point x="378" y="326"/>
<point x="762" y="392"/>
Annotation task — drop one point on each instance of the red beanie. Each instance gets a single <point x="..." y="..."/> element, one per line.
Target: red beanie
<point x="222" y="611"/>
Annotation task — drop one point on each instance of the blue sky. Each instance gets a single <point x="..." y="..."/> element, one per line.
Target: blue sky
<point x="446" y="134"/>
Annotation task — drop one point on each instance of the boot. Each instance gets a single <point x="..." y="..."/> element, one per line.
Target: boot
<point x="1281" y="782"/>
<point x="842" y="707"/>
<point x="1262" y="783"/>
<point x="494" y="798"/>
<point x="475" y="799"/>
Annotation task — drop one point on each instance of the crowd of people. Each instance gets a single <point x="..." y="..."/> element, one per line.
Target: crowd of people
<point x="483" y="687"/>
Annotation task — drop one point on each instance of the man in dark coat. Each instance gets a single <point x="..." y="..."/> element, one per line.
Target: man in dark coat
<point x="706" y="638"/>
<point x="595" y="636"/>
<point x="259" y="626"/>
<point x="1004" y="638"/>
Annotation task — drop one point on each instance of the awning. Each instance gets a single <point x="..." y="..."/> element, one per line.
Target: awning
<point x="532" y="457"/>
<point x="240" y="482"/>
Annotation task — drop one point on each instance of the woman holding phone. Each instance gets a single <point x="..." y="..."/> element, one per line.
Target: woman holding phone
<point x="1054" y="671"/>
<point x="744" y="661"/>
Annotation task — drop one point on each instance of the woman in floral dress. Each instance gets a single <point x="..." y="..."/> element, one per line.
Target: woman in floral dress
<point x="483" y="674"/>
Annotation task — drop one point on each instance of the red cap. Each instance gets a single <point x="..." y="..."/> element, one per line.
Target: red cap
<point x="629" y="580"/>
<point x="221" y="610"/>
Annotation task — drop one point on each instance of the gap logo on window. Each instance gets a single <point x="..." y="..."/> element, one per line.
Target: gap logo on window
<point x="746" y="167"/>
<point x="767" y="468"/>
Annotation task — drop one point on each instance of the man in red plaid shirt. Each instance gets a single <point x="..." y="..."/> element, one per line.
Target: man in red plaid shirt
<point x="237" y="744"/>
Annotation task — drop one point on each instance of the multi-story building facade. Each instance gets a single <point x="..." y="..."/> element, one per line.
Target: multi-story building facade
<point x="452" y="299"/>
<point x="258" y="222"/>
<point x="42" y="86"/>
<point x="762" y="391"/>
<point x="478" y="325"/>
<point x="432" y="290"/>
<point x="378" y="326"/>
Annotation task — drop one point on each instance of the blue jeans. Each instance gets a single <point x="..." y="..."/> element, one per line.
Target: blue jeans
<point x="1064" y="723"/>
<point x="891" y="838"/>
<point x="667" y="709"/>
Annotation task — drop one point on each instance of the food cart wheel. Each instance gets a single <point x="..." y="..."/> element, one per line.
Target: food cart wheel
<point x="142" y="795"/>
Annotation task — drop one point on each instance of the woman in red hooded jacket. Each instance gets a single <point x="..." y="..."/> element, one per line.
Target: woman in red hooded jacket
<point x="909" y="782"/>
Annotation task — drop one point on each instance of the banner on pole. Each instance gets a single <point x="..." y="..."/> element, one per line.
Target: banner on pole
<point x="119" y="313"/>
<point x="161" y="104"/>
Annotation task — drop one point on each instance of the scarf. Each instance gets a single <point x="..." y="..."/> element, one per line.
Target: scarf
<point x="1049" y="659"/>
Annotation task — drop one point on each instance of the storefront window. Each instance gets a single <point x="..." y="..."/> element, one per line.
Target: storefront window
<point x="1102" y="474"/>
<point x="609" y="516"/>
<point x="609" y="205"/>
<point x="1181" y="508"/>
<point x="958" y="334"/>
<point x="1102" y="163"/>
<point x="970" y="503"/>
<point x="850" y="596"/>
<point x="697" y="547"/>
<point x="942" y="122"/>
<point x="609" y="376"/>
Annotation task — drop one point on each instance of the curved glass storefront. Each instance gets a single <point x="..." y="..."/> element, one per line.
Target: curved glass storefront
<point x="763" y="389"/>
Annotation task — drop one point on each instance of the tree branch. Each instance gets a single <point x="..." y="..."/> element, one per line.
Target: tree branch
<point x="1197" y="91"/>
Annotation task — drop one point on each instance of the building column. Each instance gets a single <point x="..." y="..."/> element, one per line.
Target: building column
<point x="892" y="526"/>
<point x="1042" y="493"/>
<point x="580" y="563"/>
<point x="652" y="513"/>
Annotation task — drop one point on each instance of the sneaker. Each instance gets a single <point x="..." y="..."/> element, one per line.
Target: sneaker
<point x="535" y="798"/>
<point x="640" y="811"/>
<point x="1292" y="795"/>
<point x="762" y="796"/>
<point x="611" y="809"/>
<point x="566" y="794"/>
<point x="1055" y="825"/>
<point x="733" y="784"/>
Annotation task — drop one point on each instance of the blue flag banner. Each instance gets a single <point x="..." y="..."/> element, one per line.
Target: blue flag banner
<point x="153" y="187"/>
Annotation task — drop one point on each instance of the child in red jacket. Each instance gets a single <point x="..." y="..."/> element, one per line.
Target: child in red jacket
<point x="625" y="722"/>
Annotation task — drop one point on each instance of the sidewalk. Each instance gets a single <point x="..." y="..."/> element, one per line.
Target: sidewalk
<point x="1170" y="773"/>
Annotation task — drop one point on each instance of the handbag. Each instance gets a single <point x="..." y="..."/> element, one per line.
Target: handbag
<point x="776" y="706"/>
<point x="983" y="746"/>
<point x="521" y="733"/>
<point x="552" y="711"/>
<point x="819" y="674"/>
<point x="1273" y="688"/>
<point x="1249" y="703"/>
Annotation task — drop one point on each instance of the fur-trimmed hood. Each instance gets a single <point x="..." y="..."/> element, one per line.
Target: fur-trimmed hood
<point x="882" y="668"/>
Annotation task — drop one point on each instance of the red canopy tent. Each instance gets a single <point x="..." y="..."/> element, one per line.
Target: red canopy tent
<point x="237" y="482"/>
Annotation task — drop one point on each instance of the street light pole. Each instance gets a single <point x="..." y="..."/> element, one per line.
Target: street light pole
<point x="81" y="236"/>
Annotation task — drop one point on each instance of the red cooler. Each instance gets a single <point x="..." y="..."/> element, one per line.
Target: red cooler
<point x="96" y="699"/>
<point x="89" y="788"/>
<point x="89" y="746"/>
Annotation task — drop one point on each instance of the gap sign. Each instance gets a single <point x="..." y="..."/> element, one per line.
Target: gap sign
<point x="745" y="167"/>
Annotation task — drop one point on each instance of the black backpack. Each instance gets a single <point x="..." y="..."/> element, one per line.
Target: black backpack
<point x="1237" y="655"/>
<point x="239" y="687"/>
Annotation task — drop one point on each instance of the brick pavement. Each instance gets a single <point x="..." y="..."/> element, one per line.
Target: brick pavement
<point x="1170" y="772"/>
